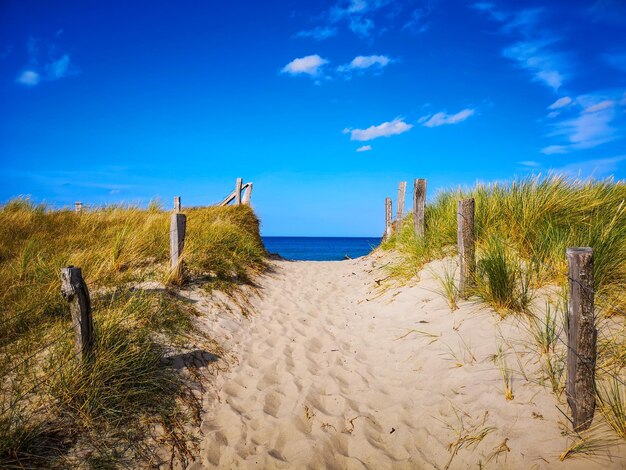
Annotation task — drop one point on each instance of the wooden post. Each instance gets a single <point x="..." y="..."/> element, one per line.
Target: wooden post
<point x="78" y="206"/>
<point x="388" y="215"/>
<point x="581" y="338"/>
<point x="238" y="191"/>
<point x="178" y="227"/>
<point x="177" y="205"/>
<point x="466" y="244"/>
<point x="247" y="194"/>
<point x="400" y="214"/>
<point x="419" y="203"/>
<point x="74" y="290"/>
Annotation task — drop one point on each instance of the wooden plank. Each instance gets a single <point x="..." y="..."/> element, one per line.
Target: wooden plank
<point x="400" y="213"/>
<point x="177" y="205"/>
<point x="238" y="184"/>
<point x="231" y="197"/>
<point x="247" y="194"/>
<point x="419" y="204"/>
<point x="178" y="227"/>
<point x="581" y="338"/>
<point x="78" y="206"/>
<point x="74" y="290"/>
<point x="466" y="245"/>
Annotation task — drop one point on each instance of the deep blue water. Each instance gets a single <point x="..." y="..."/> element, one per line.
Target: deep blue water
<point x="320" y="248"/>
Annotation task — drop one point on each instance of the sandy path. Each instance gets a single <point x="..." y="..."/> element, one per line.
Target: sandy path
<point x="323" y="381"/>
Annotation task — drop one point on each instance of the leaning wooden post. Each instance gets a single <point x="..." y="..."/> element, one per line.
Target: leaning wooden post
<point x="238" y="185"/>
<point x="177" y="205"/>
<point x="74" y="290"/>
<point x="247" y="194"/>
<point x="400" y="214"/>
<point x="466" y="244"/>
<point x="178" y="227"/>
<point x="581" y="338"/>
<point x="388" y="215"/>
<point x="78" y="206"/>
<point x="419" y="202"/>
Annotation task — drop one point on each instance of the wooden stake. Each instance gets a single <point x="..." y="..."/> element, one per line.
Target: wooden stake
<point x="419" y="203"/>
<point x="400" y="214"/>
<point x="74" y="290"/>
<point x="466" y="244"/>
<point x="238" y="191"/>
<point x="78" y="206"/>
<point x="177" y="205"/>
<point x="581" y="338"/>
<point x="388" y="216"/>
<point x="178" y="227"/>
<point x="247" y="194"/>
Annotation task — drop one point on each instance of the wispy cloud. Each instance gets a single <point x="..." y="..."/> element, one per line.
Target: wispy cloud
<point x="376" y="62"/>
<point x="441" y="118"/>
<point x="319" y="33"/>
<point x="591" y="126"/>
<point x="535" y="50"/>
<point x="386" y="129"/>
<point x="561" y="103"/>
<point x="537" y="58"/>
<point x="364" y="148"/>
<point x="44" y="64"/>
<point x="356" y="14"/>
<point x="311" y="65"/>
<point x="597" y="168"/>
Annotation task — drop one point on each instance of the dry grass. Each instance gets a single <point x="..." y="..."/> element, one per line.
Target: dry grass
<point x="129" y="396"/>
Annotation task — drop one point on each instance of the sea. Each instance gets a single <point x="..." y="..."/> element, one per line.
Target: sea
<point x="320" y="248"/>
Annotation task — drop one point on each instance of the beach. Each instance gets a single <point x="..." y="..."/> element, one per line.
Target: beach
<point x="335" y="369"/>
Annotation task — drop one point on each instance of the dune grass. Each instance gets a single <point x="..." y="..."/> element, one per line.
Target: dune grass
<point x="522" y="230"/>
<point x="130" y="394"/>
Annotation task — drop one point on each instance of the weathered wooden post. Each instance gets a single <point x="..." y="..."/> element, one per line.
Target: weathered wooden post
<point x="419" y="203"/>
<point x="388" y="215"/>
<point x="78" y="206"/>
<point x="74" y="290"/>
<point x="238" y="185"/>
<point x="466" y="244"/>
<point x="178" y="227"/>
<point x="400" y="213"/>
<point x="177" y="205"/>
<point x="247" y="194"/>
<point x="581" y="338"/>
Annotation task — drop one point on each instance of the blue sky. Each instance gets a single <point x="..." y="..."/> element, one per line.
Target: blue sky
<point x="325" y="106"/>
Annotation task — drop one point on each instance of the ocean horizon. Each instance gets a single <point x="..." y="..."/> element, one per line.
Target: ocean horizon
<point x="320" y="248"/>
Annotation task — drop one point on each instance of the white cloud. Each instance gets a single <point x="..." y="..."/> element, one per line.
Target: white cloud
<point x="361" y="62"/>
<point x="28" y="78"/>
<point x="386" y="129"/>
<point x="552" y="149"/>
<point x="561" y="103"/>
<point x="530" y="163"/>
<point x="364" y="148"/>
<point x="319" y="34"/>
<point x="601" y="106"/>
<point x="308" y="65"/>
<point x="441" y="118"/>
<point x="553" y="114"/>
<point x="535" y="57"/>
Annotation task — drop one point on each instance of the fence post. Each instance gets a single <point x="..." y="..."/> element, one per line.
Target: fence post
<point x="581" y="338"/>
<point x="466" y="244"/>
<point x="177" y="205"/>
<point x="78" y="206"/>
<point x="388" y="216"/>
<point x="74" y="290"/>
<point x="178" y="226"/>
<point x="419" y="202"/>
<point x="238" y="185"/>
<point x="247" y="194"/>
<point x="400" y="213"/>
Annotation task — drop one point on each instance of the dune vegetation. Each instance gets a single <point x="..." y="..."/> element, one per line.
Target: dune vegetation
<point x="129" y="395"/>
<point x="522" y="231"/>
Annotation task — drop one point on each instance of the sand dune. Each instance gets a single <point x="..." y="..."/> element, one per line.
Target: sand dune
<point x="332" y="373"/>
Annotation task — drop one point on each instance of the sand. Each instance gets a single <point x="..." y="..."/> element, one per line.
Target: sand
<point x="333" y="372"/>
